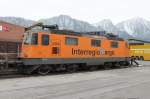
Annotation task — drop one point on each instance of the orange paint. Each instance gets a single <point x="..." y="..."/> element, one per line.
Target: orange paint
<point x="83" y="49"/>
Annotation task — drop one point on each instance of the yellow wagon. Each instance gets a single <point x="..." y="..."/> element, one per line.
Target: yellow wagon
<point x="139" y="49"/>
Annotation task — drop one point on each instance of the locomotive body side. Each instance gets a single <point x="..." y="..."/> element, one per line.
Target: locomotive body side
<point x="51" y="48"/>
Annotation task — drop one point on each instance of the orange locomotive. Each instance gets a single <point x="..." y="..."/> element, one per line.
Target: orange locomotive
<point x="46" y="48"/>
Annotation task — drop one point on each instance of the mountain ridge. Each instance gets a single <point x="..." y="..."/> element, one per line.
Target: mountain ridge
<point x="133" y="28"/>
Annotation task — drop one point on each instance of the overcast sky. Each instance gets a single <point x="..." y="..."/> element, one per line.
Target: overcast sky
<point x="91" y="11"/>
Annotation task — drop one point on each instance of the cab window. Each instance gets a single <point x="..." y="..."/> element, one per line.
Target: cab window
<point x="27" y="38"/>
<point x="45" y="39"/>
<point x="34" y="39"/>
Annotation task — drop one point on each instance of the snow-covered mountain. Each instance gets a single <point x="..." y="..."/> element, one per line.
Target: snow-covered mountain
<point x="137" y="27"/>
<point x="66" y="22"/>
<point x="17" y="21"/>
<point x="108" y="26"/>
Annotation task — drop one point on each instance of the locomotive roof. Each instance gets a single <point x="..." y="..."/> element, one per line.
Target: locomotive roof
<point x="55" y="30"/>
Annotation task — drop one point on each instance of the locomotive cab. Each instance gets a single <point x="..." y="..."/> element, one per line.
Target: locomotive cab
<point x="35" y="41"/>
<point x="30" y="39"/>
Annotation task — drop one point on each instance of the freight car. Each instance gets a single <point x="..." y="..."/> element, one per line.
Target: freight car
<point x="45" y="49"/>
<point x="10" y="43"/>
<point x="139" y="49"/>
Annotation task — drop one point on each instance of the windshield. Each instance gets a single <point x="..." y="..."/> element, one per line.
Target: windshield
<point x="30" y="38"/>
<point x="27" y="38"/>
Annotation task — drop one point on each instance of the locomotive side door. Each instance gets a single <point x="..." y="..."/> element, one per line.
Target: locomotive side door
<point x="55" y="47"/>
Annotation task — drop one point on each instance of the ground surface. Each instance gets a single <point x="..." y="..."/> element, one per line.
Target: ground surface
<point x="127" y="83"/>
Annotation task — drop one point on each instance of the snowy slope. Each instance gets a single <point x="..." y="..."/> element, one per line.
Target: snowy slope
<point x="17" y="21"/>
<point x="108" y="26"/>
<point x="66" y="22"/>
<point x="137" y="27"/>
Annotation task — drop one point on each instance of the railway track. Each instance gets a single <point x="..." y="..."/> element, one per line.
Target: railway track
<point x="10" y="74"/>
<point x="15" y="74"/>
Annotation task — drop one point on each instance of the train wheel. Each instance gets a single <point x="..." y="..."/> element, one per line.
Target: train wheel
<point x="43" y="70"/>
<point x="72" y="68"/>
<point x="141" y="58"/>
<point x="137" y="58"/>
